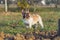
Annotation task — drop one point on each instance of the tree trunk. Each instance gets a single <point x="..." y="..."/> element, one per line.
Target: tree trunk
<point x="5" y="5"/>
<point x="56" y="4"/>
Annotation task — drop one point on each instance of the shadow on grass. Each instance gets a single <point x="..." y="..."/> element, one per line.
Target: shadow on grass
<point x="14" y="9"/>
<point x="3" y="24"/>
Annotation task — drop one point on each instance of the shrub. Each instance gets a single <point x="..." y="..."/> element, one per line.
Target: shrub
<point x="31" y="9"/>
<point x="22" y="4"/>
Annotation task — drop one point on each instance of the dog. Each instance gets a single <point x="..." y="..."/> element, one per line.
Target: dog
<point x="31" y="19"/>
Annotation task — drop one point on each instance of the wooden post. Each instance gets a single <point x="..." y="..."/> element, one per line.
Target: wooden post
<point x="58" y="32"/>
<point x="5" y="5"/>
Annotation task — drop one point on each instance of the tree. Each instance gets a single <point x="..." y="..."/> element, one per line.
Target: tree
<point x="5" y="5"/>
<point x="22" y="4"/>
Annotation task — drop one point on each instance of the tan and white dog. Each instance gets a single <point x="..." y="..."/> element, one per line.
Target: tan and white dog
<point x="31" y="19"/>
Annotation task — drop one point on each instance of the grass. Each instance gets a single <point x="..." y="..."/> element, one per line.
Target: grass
<point x="11" y="22"/>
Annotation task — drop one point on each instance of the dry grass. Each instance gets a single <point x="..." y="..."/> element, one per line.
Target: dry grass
<point x="28" y="36"/>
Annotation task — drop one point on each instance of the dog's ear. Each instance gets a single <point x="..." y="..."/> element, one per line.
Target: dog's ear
<point x="23" y="13"/>
<point x="22" y="10"/>
<point x="27" y="11"/>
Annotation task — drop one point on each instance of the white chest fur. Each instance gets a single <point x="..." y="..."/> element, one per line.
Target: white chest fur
<point x="28" y="21"/>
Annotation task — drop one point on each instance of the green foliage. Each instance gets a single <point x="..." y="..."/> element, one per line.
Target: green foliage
<point x="23" y="4"/>
<point x="31" y="9"/>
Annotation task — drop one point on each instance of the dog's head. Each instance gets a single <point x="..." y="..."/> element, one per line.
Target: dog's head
<point x="25" y="14"/>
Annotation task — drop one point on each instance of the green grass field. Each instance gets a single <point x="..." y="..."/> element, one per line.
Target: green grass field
<point x="11" y="22"/>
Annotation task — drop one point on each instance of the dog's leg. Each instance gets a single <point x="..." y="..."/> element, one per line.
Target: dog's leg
<point x="27" y="26"/>
<point x="35" y="26"/>
<point x="30" y="25"/>
<point x="40" y="22"/>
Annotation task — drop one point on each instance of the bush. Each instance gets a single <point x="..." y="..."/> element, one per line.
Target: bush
<point x="23" y="4"/>
<point x="31" y="9"/>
